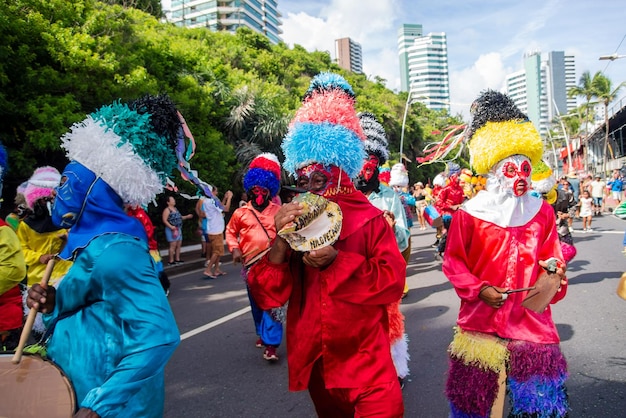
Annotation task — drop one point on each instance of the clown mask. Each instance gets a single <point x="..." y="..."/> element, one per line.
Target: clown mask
<point x="513" y="175"/>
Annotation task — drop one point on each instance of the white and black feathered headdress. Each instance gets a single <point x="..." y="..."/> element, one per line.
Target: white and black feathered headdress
<point x="375" y="138"/>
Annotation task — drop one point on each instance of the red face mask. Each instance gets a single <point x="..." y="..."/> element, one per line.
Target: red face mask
<point x="369" y="167"/>
<point x="324" y="180"/>
<point x="260" y="196"/>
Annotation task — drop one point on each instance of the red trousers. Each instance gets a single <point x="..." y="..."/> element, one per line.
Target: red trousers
<point x="384" y="400"/>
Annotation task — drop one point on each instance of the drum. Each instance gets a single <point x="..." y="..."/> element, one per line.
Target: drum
<point x="34" y="388"/>
<point x="432" y="216"/>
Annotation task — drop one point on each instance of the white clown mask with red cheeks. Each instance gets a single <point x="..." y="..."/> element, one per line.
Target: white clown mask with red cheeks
<point x="513" y="175"/>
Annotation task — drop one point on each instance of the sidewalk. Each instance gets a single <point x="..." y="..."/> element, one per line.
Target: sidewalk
<point x="192" y="257"/>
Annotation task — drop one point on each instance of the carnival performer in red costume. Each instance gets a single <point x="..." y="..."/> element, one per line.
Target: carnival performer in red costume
<point x="337" y="325"/>
<point x="451" y="196"/>
<point x="498" y="242"/>
<point x="249" y="234"/>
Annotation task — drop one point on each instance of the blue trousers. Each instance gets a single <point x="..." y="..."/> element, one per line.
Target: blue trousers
<point x="270" y="330"/>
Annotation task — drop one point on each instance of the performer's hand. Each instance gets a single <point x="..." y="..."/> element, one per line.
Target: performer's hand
<point x="43" y="300"/>
<point x="86" y="413"/>
<point x="493" y="296"/>
<point x="45" y="258"/>
<point x="320" y="258"/>
<point x="236" y="255"/>
<point x="561" y="268"/>
<point x="390" y="218"/>
<point x="286" y="214"/>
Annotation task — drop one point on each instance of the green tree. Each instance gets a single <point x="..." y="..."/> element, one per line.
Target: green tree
<point x="61" y="60"/>
<point x="584" y="89"/>
<point x="152" y="7"/>
<point x="604" y="91"/>
<point x="255" y="124"/>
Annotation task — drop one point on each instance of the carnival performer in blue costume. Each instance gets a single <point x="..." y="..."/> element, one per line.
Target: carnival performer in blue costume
<point x="112" y="329"/>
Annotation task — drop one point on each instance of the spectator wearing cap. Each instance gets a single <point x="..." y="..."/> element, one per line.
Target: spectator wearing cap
<point x="420" y="195"/>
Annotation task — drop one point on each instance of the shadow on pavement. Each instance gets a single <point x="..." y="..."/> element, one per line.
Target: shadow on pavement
<point x="594" y="277"/>
<point x="566" y="331"/>
<point x="421" y="293"/>
<point x="589" y="394"/>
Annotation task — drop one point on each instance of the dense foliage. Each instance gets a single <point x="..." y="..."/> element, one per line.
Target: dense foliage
<point x="60" y="60"/>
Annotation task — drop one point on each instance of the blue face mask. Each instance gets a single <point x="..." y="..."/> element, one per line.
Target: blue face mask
<point x="76" y="183"/>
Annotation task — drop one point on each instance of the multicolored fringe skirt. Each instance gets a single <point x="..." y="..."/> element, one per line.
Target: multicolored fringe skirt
<point x="536" y="375"/>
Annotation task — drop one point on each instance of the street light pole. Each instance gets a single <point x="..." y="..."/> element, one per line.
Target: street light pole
<point x="611" y="57"/>
<point x="406" y="110"/>
<point x="554" y="154"/>
<point x="569" y="151"/>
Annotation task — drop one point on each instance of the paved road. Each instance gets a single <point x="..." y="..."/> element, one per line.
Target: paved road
<point x="217" y="371"/>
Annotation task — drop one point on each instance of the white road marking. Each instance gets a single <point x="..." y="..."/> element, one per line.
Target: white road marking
<point x="215" y="323"/>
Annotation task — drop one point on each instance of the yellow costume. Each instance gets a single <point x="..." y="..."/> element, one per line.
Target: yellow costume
<point x="34" y="245"/>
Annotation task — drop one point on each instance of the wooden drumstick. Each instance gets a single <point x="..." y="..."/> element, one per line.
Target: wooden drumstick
<point x="30" y="320"/>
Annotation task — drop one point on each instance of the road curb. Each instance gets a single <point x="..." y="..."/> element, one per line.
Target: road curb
<point x="191" y="255"/>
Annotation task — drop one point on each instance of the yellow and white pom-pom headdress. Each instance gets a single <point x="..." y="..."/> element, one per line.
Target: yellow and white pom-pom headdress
<point x="543" y="181"/>
<point x="499" y="130"/>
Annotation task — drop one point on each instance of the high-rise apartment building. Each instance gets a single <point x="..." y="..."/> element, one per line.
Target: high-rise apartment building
<point x="424" y="66"/>
<point x="540" y="89"/>
<point x="261" y="16"/>
<point x="406" y="35"/>
<point x="349" y="55"/>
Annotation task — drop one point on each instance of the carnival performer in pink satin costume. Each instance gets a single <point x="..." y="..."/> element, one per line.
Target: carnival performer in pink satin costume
<point x="496" y="243"/>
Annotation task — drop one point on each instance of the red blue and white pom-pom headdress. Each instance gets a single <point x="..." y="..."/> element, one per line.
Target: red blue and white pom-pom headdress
<point x="264" y="171"/>
<point x="326" y="129"/>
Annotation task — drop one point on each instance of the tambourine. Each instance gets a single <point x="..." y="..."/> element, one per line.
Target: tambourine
<point x="317" y="227"/>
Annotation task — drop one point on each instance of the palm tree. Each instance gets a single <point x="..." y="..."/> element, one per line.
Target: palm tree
<point x="255" y="125"/>
<point x="603" y="90"/>
<point x="584" y="89"/>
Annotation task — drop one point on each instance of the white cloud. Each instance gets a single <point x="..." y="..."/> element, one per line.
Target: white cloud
<point x="484" y="44"/>
<point x="488" y="72"/>
<point x="312" y="33"/>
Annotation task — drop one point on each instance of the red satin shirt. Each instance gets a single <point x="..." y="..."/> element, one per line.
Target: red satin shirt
<point x="339" y="313"/>
<point x="480" y="253"/>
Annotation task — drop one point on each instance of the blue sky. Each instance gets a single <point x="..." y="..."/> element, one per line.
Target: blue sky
<point x="486" y="38"/>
